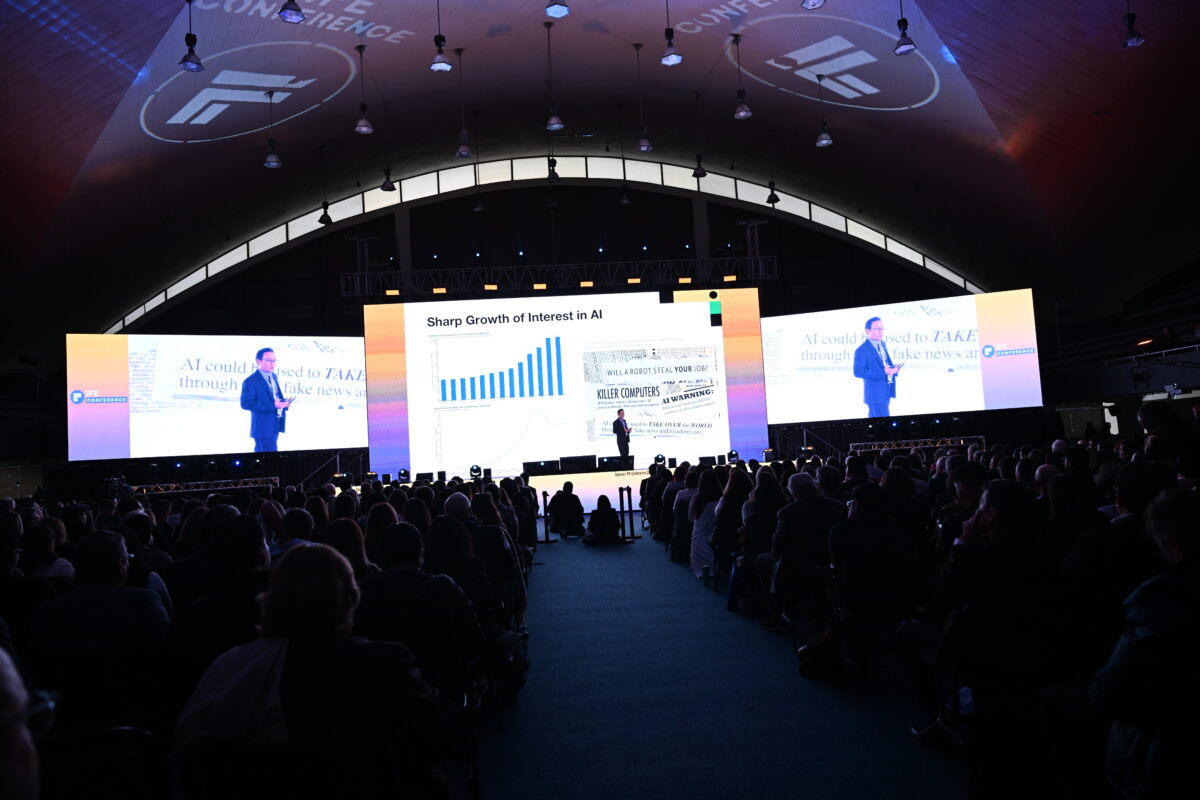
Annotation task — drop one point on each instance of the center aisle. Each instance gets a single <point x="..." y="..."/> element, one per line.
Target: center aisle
<point x="643" y="684"/>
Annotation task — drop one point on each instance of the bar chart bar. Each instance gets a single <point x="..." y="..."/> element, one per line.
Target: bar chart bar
<point x="538" y="374"/>
<point x="558" y="363"/>
<point x="541" y="388"/>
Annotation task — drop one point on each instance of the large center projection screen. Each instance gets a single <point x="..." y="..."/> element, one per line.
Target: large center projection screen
<point x="970" y="353"/>
<point x="501" y="382"/>
<point x="144" y="396"/>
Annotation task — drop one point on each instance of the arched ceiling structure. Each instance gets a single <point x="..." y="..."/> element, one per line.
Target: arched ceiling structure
<point x="1020" y="143"/>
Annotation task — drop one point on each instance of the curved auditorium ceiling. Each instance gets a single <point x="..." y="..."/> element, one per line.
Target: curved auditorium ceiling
<point x="1019" y="142"/>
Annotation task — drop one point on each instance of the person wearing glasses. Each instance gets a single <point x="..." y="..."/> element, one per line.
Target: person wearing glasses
<point x="874" y="365"/>
<point x="263" y="398"/>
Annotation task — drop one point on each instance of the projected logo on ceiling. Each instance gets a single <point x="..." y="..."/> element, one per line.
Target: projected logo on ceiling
<point x="229" y="98"/>
<point x="860" y="69"/>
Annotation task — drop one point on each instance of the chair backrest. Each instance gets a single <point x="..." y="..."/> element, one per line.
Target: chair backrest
<point x="114" y="762"/>
<point x="1010" y="640"/>
<point x="348" y="764"/>
<point x="883" y="577"/>
<point x="431" y="636"/>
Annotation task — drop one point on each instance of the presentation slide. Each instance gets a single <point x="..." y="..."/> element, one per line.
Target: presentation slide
<point x="970" y="353"/>
<point x="501" y="382"/>
<point x="142" y="396"/>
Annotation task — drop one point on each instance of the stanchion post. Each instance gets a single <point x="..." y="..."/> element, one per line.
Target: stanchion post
<point x="545" y="516"/>
<point x="627" y="492"/>
<point x="621" y="511"/>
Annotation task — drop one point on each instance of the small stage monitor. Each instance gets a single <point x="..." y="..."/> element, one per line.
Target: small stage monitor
<point x="609" y="463"/>
<point x="572" y="464"/>
<point x="540" y="467"/>
<point x="425" y="476"/>
<point x="708" y="461"/>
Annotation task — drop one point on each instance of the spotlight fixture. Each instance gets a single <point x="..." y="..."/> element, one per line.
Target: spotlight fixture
<point x="476" y="472"/>
<point x="324" y="219"/>
<point x="273" y="161"/>
<point x="557" y="10"/>
<point x="387" y="185"/>
<point x="904" y="45"/>
<point x="552" y="175"/>
<point x="464" y="148"/>
<point x="363" y="125"/>
<point x="290" y="12"/>
<point x="670" y="56"/>
<point x="660" y="459"/>
<point x="643" y="144"/>
<point x="440" y="62"/>
<point x="1132" y="37"/>
<point x="190" y="61"/>
<point x="772" y="198"/>
<point x="742" y="111"/>
<point x="812" y="5"/>
<point x="732" y="456"/>
<point x="823" y="138"/>
<point x="699" y="171"/>
<point x="553" y="122"/>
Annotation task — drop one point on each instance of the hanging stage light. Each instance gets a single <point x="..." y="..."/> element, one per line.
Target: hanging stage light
<point x="190" y="61"/>
<point x="290" y="12"/>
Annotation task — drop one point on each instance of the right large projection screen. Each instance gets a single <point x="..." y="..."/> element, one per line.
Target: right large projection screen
<point x="970" y="353"/>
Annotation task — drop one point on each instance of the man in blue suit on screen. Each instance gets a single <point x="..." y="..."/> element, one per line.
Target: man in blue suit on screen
<point x="874" y="365"/>
<point x="263" y="398"/>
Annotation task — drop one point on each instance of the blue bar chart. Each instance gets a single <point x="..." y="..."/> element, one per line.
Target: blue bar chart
<point x="538" y="373"/>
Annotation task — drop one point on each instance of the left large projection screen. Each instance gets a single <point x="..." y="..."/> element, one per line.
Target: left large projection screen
<point x="143" y="396"/>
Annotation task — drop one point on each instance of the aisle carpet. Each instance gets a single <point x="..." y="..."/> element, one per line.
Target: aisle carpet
<point x="642" y="684"/>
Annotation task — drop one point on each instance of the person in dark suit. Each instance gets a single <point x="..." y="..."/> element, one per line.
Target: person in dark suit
<point x="621" y="429"/>
<point x="263" y="398"/>
<point x="874" y="365"/>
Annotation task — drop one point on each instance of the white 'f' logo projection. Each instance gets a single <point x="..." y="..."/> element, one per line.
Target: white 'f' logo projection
<point x="188" y="107"/>
<point x="822" y="59"/>
<point x="209" y="101"/>
<point x="855" y="58"/>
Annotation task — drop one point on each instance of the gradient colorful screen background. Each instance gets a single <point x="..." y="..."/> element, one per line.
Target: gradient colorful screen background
<point x="447" y="396"/>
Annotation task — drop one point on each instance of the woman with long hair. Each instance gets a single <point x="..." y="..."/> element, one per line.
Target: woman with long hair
<point x="346" y="537"/>
<point x="604" y="527"/>
<point x="703" y="512"/>
<point x="379" y="517"/>
<point x="416" y="512"/>
<point x="319" y="510"/>
<point x="729" y="513"/>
